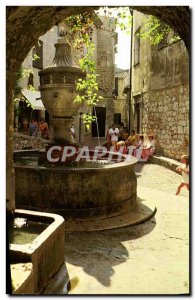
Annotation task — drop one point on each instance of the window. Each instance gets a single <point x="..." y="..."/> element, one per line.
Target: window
<point x="99" y="126"/>
<point x="37" y="54"/>
<point x="116" y="84"/>
<point x="117" y="118"/>
<point x="138" y="113"/>
<point x="31" y="79"/>
<point x="137" y="47"/>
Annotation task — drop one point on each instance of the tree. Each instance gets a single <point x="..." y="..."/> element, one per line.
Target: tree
<point x="81" y="29"/>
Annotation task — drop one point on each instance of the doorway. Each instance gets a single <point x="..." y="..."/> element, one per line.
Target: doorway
<point x="138" y="114"/>
<point x="100" y="123"/>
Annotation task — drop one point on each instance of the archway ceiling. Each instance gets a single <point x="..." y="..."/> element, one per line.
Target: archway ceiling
<point x="26" y="23"/>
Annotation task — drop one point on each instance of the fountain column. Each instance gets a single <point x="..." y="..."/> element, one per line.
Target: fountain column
<point x="58" y="90"/>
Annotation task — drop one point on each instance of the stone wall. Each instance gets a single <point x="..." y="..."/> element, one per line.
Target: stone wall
<point x="106" y="40"/>
<point x="21" y="142"/>
<point x="166" y="114"/>
<point x="160" y="92"/>
<point x="121" y="101"/>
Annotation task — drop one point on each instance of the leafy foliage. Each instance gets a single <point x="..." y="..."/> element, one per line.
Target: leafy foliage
<point x="120" y="16"/>
<point x="22" y="73"/>
<point x="155" y="30"/>
<point x="18" y="87"/>
<point x="88" y="118"/>
<point x="88" y="85"/>
<point x="81" y="30"/>
<point x="35" y="57"/>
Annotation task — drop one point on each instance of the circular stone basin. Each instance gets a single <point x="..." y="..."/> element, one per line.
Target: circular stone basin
<point x="85" y="189"/>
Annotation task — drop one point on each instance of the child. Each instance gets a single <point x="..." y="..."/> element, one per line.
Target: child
<point x="114" y="132"/>
<point x="108" y="138"/>
<point x="184" y="169"/>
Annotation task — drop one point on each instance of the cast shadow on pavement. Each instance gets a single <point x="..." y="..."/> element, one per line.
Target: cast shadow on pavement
<point x="99" y="251"/>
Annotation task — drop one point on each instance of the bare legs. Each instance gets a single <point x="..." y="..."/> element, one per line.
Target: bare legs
<point x="114" y="144"/>
<point x="181" y="186"/>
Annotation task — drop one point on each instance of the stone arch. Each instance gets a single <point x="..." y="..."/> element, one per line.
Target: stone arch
<point x="26" y="23"/>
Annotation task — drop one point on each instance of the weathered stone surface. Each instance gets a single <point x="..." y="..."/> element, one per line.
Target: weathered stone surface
<point x="77" y="192"/>
<point x="164" y="94"/>
<point x="172" y="134"/>
<point x="21" y="142"/>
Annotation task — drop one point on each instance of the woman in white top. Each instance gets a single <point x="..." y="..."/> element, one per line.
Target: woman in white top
<point x="114" y="132"/>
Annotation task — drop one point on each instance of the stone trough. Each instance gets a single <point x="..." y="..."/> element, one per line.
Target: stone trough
<point x="44" y="255"/>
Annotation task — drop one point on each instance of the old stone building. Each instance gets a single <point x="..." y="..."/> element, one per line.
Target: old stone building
<point x="160" y="91"/>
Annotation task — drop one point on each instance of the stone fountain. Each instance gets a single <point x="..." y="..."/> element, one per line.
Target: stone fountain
<point x="58" y="90"/>
<point x="79" y="190"/>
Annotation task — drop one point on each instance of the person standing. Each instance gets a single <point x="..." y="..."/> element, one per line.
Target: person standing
<point x="184" y="169"/>
<point x="114" y="132"/>
<point x="108" y="138"/>
<point x="72" y="133"/>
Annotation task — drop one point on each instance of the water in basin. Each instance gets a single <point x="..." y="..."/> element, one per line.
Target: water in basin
<point x="29" y="162"/>
<point x="26" y="161"/>
<point x="81" y="164"/>
<point x="24" y="231"/>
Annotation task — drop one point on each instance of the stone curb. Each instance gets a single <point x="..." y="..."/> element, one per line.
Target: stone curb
<point x="168" y="163"/>
<point x="140" y="214"/>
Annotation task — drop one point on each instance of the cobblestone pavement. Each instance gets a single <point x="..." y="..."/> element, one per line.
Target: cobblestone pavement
<point x="160" y="178"/>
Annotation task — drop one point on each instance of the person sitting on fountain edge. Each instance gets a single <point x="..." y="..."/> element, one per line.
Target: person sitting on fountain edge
<point x="43" y="128"/>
